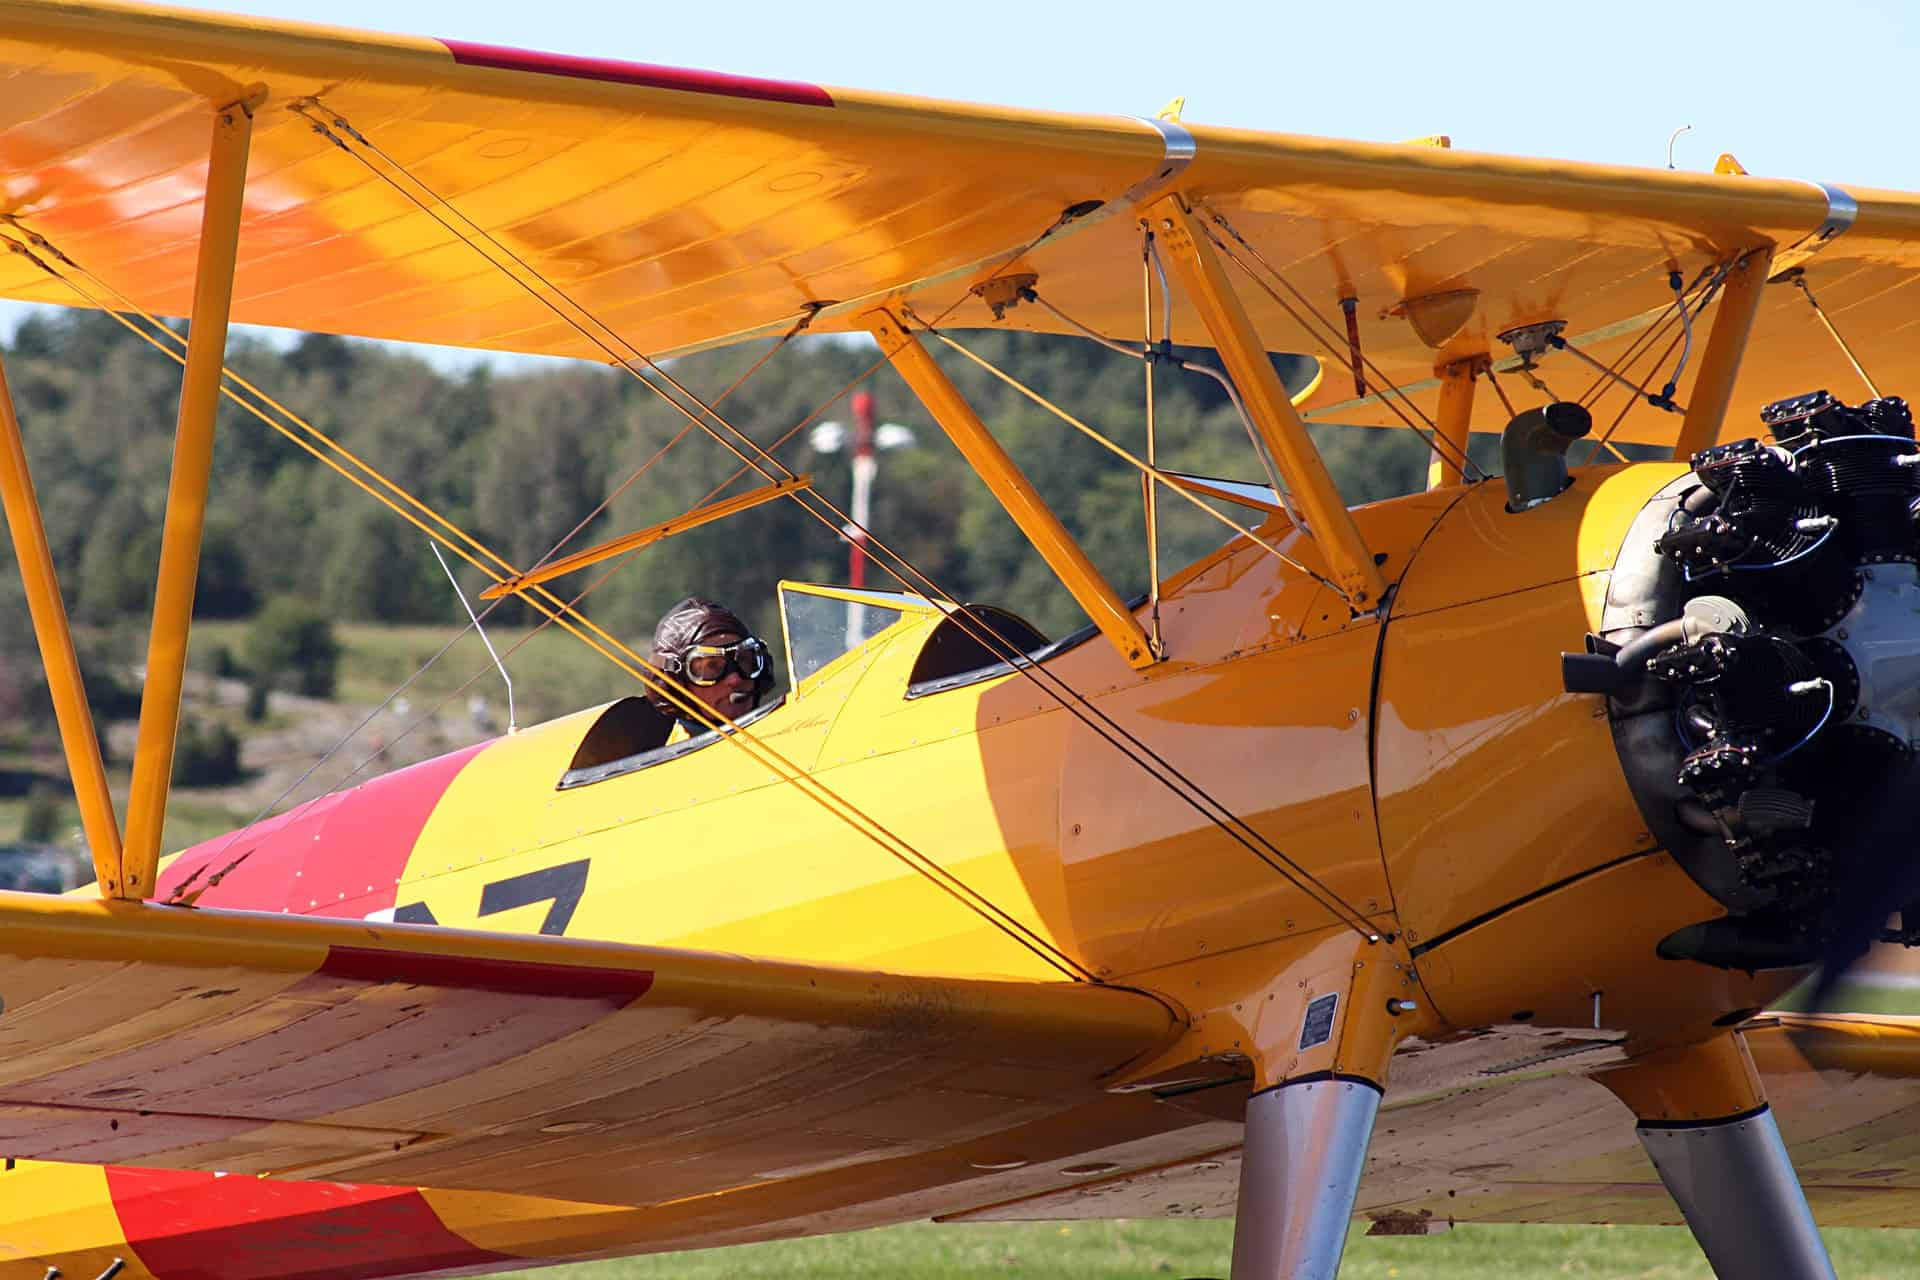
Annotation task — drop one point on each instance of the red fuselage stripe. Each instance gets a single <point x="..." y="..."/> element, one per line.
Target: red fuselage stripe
<point x="201" y="1226"/>
<point x="641" y="73"/>
<point x="340" y="855"/>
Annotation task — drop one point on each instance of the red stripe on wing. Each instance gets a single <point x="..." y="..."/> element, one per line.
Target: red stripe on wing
<point x="648" y="74"/>
<point x="202" y="1226"/>
<point x="509" y="977"/>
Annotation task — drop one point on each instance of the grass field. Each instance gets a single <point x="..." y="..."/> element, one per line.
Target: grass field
<point x="553" y="672"/>
<point x="1143" y="1250"/>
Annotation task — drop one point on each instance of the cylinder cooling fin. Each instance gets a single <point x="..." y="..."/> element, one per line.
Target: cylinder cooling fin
<point x="1760" y="654"/>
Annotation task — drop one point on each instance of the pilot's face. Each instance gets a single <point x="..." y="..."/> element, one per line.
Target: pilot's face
<point x="732" y="694"/>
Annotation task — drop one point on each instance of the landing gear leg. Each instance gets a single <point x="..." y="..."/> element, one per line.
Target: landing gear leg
<point x="1706" y="1126"/>
<point x="1299" y="1175"/>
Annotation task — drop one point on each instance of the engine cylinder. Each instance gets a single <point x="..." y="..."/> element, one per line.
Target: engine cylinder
<point x="1742" y="743"/>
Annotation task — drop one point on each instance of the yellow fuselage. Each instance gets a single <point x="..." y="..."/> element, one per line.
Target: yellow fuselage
<point x="1428" y="770"/>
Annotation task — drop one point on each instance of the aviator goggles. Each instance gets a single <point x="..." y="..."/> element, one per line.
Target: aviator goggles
<point x="707" y="664"/>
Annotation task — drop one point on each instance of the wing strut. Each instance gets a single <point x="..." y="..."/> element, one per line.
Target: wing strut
<point x="1011" y="486"/>
<point x="1732" y="324"/>
<point x="1245" y="356"/>
<point x="186" y="501"/>
<point x="62" y="665"/>
<point x="693" y="519"/>
<point x="1454" y="424"/>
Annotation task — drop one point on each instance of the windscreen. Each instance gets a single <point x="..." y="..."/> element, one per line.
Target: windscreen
<point x="821" y="628"/>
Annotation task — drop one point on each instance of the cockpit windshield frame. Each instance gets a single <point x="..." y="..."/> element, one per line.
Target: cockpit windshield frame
<point x="806" y="659"/>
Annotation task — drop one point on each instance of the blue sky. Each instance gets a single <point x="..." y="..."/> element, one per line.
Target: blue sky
<point x="1809" y="90"/>
<point x="1822" y="91"/>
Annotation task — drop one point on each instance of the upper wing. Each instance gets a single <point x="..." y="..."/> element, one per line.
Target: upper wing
<point x="498" y="198"/>
<point x="373" y="1053"/>
<point x="679" y="208"/>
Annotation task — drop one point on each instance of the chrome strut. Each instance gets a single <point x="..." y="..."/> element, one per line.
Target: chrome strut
<point x="1734" y="1182"/>
<point x="1306" y="1147"/>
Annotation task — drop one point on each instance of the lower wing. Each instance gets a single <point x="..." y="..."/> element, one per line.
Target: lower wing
<point x="1523" y="1144"/>
<point x="561" y="1096"/>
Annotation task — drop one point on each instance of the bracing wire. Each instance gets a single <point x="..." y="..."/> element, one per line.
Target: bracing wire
<point x="642" y="670"/>
<point x="1705" y="285"/>
<point x="1335" y="343"/>
<point x="708" y="420"/>
<point x="1707" y="282"/>
<point x="1500" y="391"/>
<point x="1152" y="357"/>
<point x="1799" y="277"/>
<point x="1151" y="472"/>
<point x="1151" y="500"/>
<point x="1631" y="402"/>
<point x="157" y="327"/>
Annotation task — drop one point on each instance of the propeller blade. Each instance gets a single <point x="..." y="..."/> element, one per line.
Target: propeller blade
<point x="1884" y="876"/>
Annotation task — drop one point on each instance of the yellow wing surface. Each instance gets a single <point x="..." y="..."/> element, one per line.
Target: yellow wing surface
<point x="720" y="1096"/>
<point x="436" y="191"/>
<point x="373" y="1053"/>
<point x="1498" y="1136"/>
<point x="723" y="1093"/>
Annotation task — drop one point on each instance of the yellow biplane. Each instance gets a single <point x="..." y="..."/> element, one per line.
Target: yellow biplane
<point x="1433" y="860"/>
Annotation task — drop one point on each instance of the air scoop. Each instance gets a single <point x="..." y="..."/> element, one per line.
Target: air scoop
<point x="1533" y="451"/>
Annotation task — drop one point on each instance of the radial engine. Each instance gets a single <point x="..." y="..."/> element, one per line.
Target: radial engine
<point x="1760" y="653"/>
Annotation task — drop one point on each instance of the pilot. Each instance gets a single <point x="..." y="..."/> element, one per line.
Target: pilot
<point x="715" y="659"/>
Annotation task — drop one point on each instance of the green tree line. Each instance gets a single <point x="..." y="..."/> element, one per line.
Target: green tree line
<point x="520" y="460"/>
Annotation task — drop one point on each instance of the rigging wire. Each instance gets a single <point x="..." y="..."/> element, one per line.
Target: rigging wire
<point x="1628" y="406"/>
<point x="799" y="326"/>
<point x="159" y="327"/>
<point x="1150" y="357"/>
<point x="1334" y="342"/>
<point x="984" y="634"/>
<point x="797" y="427"/>
<point x="1799" y="278"/>
<point x="1707" y="283"/>
<point x="1500" y="391"/>
<point x="1151" y="500"/>
<point x="650" y="676"/>
<point x="1145" y="469"/>
<point x="1708" y="278"/>
<point x="1631" y="402"/>
<point x="1616" y="373"/>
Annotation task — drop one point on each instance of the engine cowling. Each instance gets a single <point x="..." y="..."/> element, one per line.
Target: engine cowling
<point x="1760" y="652"/>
